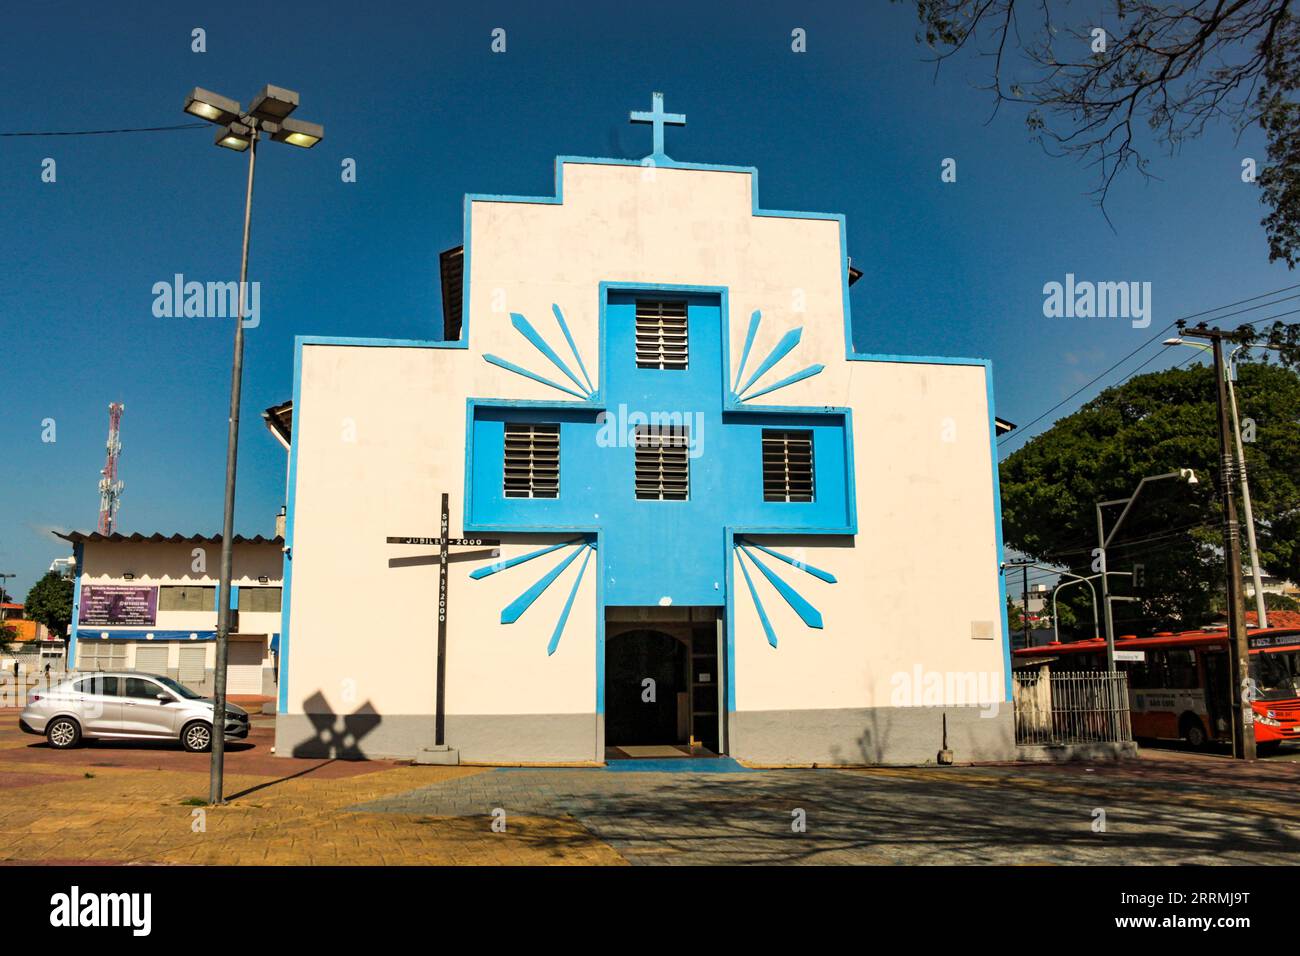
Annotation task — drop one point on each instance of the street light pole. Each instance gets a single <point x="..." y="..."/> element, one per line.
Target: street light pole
<point x="268" y="115"/>
<point x="1106" y="616"/>
<point x="1074" y="579"/>
<point x="1243" y="712"/>
<point x="217" y="770"/>
<point x="1104" y="540"/>
<point x="1056" y="623"/>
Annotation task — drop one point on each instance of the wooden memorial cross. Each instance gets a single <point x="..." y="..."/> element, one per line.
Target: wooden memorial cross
<point x="444" y="543"/>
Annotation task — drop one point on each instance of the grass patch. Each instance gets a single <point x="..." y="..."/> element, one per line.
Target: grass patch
<point x="194" y="802"/>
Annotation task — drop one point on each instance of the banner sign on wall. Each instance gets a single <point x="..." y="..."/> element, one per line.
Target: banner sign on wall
<point x="118" y="604"/>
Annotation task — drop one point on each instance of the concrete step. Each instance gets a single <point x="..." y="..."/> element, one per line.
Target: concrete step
<point x="439" y="755"/>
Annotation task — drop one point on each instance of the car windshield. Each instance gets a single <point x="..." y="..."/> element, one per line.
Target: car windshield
<point x="178" y="688"/>
<point x="1277" y="675"/>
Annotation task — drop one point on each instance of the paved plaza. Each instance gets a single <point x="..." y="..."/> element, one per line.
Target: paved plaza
<point x="116" y="803"/>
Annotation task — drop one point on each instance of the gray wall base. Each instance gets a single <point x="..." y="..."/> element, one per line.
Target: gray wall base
<point x="1065" y="753"/>
<point x="524" y="738"/>
<point x="872" y="736"/>
<point x="878" y="736"/>
<point x="360" y="736"/>
<point x="510" y="738"/>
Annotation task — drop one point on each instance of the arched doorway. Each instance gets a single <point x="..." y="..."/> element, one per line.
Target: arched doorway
<point x="637" y="712"/>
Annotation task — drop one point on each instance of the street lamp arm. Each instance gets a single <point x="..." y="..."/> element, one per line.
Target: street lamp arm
<point x="1075" y="579"/>
<point x="1128" y="503"/>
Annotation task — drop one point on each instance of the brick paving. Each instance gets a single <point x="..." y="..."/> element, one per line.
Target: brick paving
<point x="1173" y="809"/>
<point x="119" y="803"/>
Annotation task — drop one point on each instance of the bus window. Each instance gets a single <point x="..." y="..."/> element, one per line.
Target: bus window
<point x="1082" y="662"/>
<point x="1157" y="670"/>
<point x="1182" y="668"/>
<point x="1140" y="674"/>
<point x="1277" y="675"/>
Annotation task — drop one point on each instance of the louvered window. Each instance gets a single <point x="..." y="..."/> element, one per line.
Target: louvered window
<point x="532" y="461"/>
<point x="660" y="334"/>
<point x="787" y="466"/>
<point x="186" y="598"/>
<point x="662" y="462"/>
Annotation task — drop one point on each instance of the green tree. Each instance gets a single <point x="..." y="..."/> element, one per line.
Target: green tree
<point x="50" y="603"/>
<point x="1153" y="424"/>
<point x="1278" y="602"/>
<point x="1015" y="620"/>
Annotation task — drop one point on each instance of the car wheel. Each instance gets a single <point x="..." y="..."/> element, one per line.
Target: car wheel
<point x="1268" y="748"/>
<point x="1194" y="733"/>
<point x="196" y="737"/>
<point x="63" y="733"/>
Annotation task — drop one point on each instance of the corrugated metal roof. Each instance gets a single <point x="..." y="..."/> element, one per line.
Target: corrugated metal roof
<point x="177" y="538"/>
<point x="451" y="267"/>
<point x="279" y="419"/>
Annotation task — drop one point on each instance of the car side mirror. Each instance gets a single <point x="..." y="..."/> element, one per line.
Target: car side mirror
<point x="165" y="698"/>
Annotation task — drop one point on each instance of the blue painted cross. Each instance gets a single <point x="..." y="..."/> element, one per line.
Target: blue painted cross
<point x="657" y="117"/>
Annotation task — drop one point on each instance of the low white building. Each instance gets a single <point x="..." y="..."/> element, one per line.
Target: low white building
<point x="149" y="603"/>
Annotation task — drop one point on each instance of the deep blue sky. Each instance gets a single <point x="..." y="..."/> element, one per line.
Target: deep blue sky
<point x="858" y="125"/>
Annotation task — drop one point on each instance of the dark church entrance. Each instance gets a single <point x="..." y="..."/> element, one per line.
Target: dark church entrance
<point x="663" y="682"/>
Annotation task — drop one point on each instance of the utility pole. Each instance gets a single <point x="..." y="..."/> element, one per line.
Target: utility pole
<point x="1261" y="611"/>
<point x="1243" y="713"/>
<point x="1024" y="605"/>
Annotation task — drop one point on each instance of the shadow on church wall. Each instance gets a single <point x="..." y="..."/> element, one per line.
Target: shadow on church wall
<point x="329" y="740"/>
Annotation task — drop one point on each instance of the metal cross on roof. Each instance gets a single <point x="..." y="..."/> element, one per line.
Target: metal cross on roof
<point x="657" y="117"/>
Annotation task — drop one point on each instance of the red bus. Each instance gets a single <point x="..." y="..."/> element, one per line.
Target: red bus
<point x="1178" y="684"/>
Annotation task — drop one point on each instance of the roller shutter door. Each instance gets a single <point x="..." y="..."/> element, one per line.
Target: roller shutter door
<point x="193" y="664"/>
<point x="244" y="668"/>
<point x="151" y="659"/>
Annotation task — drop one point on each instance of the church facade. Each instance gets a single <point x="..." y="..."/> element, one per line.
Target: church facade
<point x="683" y="513"/>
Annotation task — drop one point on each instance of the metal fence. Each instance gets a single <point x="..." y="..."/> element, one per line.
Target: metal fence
<point x="1071" y="707"/>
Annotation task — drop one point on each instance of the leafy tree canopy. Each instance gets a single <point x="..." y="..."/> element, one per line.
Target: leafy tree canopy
<point x="1279" y="602"/>
<point x="50" y="603"/>
<point x="1150" y="425"/>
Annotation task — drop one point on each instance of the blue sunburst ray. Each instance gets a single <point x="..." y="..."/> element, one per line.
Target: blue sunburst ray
<point x="525" y="328"/>
<point x="568" y="605"/>
<point x="807" y="613"/>
<point x="783" y="348"/>
<point x="516" y="608"/>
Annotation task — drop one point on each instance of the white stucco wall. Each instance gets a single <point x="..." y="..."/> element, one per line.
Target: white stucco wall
<point x="373" y="462"/>
<point x="918" y="587"/>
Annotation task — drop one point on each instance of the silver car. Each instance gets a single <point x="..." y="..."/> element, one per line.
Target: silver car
<point x="126" y="706"/>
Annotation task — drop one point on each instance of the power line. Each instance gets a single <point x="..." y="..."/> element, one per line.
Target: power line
<point x="104" y="132"/>
<point x="1266" y="295"/>
<point x="1131" y="374"/>
<point x="1082" y="388"/>
<point x="1057" y="557"/>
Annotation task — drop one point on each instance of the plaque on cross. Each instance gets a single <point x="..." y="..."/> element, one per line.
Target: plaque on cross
<point x="445" y="543"/>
